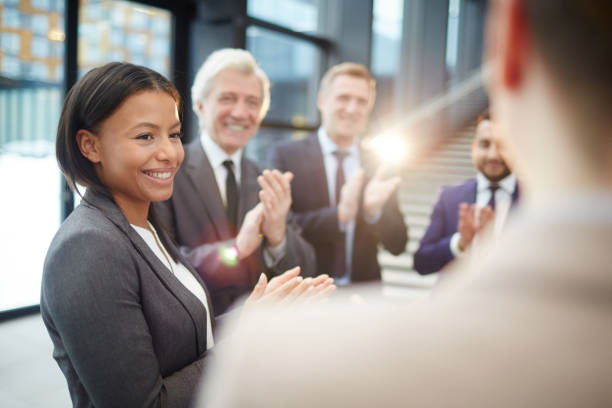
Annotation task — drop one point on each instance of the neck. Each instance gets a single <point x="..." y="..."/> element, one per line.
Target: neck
<point x="136" y="213"/>
<point x="342" y="141"/>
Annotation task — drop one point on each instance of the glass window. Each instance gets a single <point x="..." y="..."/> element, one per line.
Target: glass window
<point x="452" y="35"/>
<point x="123" y="31"/>
<point x="297" y="15"/>
<point x="31" y="77"/>
<point x="387" y="25"/>
<point x="258" y="148"/>
<point x="293" y="66"/>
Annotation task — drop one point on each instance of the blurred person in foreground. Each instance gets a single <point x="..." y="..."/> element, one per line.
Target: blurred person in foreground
<point x="463" y="211"/>
<point x="530" y="327"/>
<point x="230" y="217"/>
<point x="345" y="213"/>
<point x="130" y="319"/>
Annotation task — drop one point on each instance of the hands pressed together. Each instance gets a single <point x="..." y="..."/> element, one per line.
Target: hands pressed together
<point x="375" y="195"/>
<point x="268" y="218"/>
<point x="472" y="221"/>
<point x="289" y="289"/>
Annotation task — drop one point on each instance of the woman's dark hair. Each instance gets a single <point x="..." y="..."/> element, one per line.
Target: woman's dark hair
<point x="89" y="102"/>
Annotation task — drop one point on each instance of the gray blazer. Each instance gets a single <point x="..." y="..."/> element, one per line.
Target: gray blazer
<point x="126" y="332"/>
<point x="196" y="218"/>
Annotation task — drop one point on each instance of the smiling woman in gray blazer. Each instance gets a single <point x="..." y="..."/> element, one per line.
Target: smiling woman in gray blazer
<point x="129" y="318"/>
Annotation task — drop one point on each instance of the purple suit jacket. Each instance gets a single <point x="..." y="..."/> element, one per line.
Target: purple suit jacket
<point x="434" y="251"/>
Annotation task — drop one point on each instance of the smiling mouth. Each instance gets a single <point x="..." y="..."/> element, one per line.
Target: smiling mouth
<point x="159" y="175"/>
<point x="236" y="127"/>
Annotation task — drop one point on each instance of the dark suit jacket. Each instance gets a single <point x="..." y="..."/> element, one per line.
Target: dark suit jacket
<point x="196" y="218"/>
<point x="434" y="250"/>
<point x="319" y="219"/>
<point x="125" y="331"/>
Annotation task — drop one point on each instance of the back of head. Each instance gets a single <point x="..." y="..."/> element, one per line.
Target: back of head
<point x="89" y="102"/>
<point x="347" y="68"/>
<point x="574" y="40"/>
<point x="221" y="60"/>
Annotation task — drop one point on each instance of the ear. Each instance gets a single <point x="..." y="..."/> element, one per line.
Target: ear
<point x="516" y="44"/>
<point x="89" y="144"/>
<point x="372" y="100"/>
<point x="320" y="100"/>
<point x="199" y="107"/>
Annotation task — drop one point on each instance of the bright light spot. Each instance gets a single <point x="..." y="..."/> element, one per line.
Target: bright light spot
<point x="228" y="256"/>
<point x="390" y="147"/>
<point x="56" y="35"/>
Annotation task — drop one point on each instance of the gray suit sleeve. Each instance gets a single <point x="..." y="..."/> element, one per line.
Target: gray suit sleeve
<point x="92" y="299"/>
<point x="299" y="253"/>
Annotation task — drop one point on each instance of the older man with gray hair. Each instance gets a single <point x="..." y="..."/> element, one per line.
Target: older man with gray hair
<point x="228" y="215"/>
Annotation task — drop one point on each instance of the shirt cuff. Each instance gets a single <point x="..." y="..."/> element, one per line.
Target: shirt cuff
<point x="454" y="246"/>
<point x="273" y="255"/>
<point x="372" y="220"/>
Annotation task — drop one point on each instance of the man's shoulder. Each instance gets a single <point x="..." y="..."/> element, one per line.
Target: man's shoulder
<point x="453" y="189"/>
<point x="295" y="145"/>
<point x="251" y="165"/>
<point x="193" y="147"/>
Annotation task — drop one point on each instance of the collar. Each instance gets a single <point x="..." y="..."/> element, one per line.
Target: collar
<point x="216" y="155"/>
<point x="329" y="147"/>
<point x="508" y="183"/>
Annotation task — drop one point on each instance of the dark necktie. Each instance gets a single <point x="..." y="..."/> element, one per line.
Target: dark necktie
<point x="340" y="249"/>
<point x="231" y="194"/>
<point x="340" y="155"/>
<point x="493" y="188"/>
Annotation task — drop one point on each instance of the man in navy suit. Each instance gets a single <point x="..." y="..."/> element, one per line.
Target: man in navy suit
<point x="344" y="211"/>
<point x="465" y="209"/>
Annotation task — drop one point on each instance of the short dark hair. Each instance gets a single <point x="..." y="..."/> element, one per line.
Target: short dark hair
<point x="574" y="38"/>
<point x="89" y="102"/>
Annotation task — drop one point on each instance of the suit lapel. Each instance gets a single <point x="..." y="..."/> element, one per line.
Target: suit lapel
<point x="191" y="304"/>
<point x="470" y="192"/>
<point x="515" y="194"/>
<point x="202" y="177"/>
<point x="313" y="160"/>
<point x="248" y="187"/>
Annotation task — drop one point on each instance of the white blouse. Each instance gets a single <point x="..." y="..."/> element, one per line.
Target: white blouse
<point x="180" y="272"/>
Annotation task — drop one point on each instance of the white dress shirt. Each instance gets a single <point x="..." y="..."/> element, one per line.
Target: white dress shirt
<point x="180" y="272"/>
<point x="350" y="166"/>
<point x="216" y="157"/>
<point x="503" y="202"/>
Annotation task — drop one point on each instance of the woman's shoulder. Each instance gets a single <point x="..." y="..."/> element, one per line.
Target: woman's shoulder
<point x="87" y="237"/>
<point x="87" y="222"/>
<point x="87" y="253"/>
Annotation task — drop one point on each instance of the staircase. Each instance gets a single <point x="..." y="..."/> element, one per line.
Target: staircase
<point x="450" y="163"/>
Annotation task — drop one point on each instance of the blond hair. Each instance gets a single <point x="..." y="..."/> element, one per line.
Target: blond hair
<point x="347" y="68"/>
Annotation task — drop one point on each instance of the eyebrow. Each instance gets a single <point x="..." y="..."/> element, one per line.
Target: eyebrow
<point x="153" y="125"/>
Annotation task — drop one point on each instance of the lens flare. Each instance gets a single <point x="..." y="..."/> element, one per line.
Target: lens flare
<point x="390" y="147"/>
<point x="228" y="256"/>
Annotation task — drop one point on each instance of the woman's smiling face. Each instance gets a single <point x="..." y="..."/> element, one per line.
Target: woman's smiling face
<point x="139" y="150"/>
